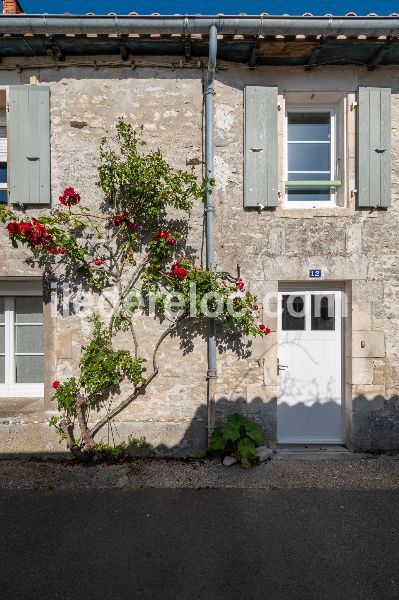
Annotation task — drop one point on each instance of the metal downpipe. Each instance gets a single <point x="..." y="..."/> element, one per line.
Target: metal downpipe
<point x="210" y="222"/>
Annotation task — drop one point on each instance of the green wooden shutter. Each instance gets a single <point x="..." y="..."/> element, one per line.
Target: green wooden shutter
<point x="261" y="146"/>
<point x="374" y="147"/>
<point x="29" y="143"/>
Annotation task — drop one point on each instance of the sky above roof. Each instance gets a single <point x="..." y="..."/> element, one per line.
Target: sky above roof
<point x="276" y="7"/>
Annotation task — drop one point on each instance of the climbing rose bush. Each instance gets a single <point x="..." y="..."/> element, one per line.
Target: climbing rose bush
<point x="131" y="246"/>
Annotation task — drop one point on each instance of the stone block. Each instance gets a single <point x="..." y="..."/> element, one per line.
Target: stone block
<point x="63" y="344"/>
<point x="362" y="371"/>
<point x="361" y="317"/>
<point x="367" y="397"/>
<point x="368" y="344"/>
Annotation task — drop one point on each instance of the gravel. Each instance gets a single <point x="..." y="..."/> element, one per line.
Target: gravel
<point x="284" y="471"/>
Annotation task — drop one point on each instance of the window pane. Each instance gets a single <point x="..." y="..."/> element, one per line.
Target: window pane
<point x="309" y="157"/>
<point x="323" y="312"/>
<point x="1" y="310"/>
<point x="292" y="176"/>
<point x="3" y="196"/>
<point x="313" y="195"/>
<point x="304" y="127"/>
<point x="29" y="369"/>
<point x="29" y="310"/>
<point x="29" y="339"/>
<point x="293" y="313"/>
<point x="2" y="369"/>
<point x="3" y="144"/>
<point x="3" y="172"/>
<point x="2" y="339"/>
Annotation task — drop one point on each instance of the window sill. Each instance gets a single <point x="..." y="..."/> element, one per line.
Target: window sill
<point x="308" y="213"/>
<point x="22" y="390"/>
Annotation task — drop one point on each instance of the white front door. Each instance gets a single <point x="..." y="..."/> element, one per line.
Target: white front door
<point x="309" y="407"/>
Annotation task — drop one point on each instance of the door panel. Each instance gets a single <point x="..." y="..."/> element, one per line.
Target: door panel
<point x="309" y="406"/>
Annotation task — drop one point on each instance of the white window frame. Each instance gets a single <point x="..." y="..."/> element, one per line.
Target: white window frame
<point x="4" y="186"/>
<point x="10" y="389"/>
<point x="333" y="156"/>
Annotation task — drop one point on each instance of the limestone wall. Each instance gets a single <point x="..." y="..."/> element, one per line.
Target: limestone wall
<point x="357" y="248"/>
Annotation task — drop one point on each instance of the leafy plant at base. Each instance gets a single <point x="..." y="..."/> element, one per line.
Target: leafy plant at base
<point x="132" y="245"/>
<point x="238" y="436"/>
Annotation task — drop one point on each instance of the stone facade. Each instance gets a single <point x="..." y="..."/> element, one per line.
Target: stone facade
<point x="357" y="248"/>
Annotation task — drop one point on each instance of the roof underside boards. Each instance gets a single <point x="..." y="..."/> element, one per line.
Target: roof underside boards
<point x="257" y="51"/>
<point x="293" y="41"/>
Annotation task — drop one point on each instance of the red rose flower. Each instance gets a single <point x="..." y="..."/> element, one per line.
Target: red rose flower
<point x="98" y="261"/>
<point x="56" y="383"/>
<point x="255" y="307"/>
<point x="52" y="250"/>
<point x="179" y="272"/>
<point x="172" y="241"/>
<point x="131" y="226"/>
<point x="123" y="219"/>
<point x="13" y="228"/>
<point x="267" y="331"/>
<point x="262" y="327"/>
<point x="240" y="284"/>
<point x="119" y="219"/>
<point x="69" y="197"/>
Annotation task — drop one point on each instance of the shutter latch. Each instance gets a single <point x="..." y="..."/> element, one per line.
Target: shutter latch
<point x="33" y="158"/>
<point x="380" y="150"/>
<point x="256" y="149"/>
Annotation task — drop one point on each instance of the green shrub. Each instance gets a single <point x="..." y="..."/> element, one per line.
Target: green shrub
<point x="139" y="447"/>
<point x="240" y="437"/>
<point x="109" y="452"/>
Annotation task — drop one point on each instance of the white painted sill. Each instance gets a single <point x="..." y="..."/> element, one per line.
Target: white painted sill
<point x="22" y="390"/>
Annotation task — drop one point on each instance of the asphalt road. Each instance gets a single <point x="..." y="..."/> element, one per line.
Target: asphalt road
<point x="199" y="544"/>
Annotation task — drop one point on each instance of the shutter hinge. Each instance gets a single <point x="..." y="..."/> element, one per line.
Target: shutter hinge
<point x="279" y="107"/>
<point x="353" y="193"/>
<point x="353" y="106"/>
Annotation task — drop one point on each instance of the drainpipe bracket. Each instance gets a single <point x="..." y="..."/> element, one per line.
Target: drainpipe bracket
<point x="211" y="375"/>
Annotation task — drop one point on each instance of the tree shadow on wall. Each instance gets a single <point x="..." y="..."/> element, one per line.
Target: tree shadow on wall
<point x="375" y="424"/>
<point x="194" y="440"/>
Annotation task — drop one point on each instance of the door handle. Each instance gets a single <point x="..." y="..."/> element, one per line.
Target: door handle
<point x="280" y="367"/>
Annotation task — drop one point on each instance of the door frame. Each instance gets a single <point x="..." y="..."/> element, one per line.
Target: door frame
<point x="321" y="286"/>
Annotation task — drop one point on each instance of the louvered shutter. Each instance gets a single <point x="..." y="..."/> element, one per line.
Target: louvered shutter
<point x="29" y="144"/>
<point x="374" y="147"/>
<point x="261" y="146"/>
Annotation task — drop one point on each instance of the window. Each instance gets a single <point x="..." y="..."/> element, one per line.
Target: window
<point x="293" y="313"/>
<point x="21" y="346"/>
<point x="310" y="158"/>
<point x="323" y="312"/>
<point x="3" y="158"/>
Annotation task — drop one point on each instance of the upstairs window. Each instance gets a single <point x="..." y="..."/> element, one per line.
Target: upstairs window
<point x="310" y="158"/>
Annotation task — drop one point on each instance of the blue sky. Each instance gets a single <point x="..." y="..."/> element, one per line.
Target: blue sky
<point x="340" y="7"/>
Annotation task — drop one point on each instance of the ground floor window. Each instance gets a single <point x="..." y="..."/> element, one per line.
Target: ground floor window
<point x="21" y="346"/>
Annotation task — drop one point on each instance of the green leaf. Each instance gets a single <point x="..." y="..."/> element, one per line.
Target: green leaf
<point x="217" y="440"/>
<point x="254" y="431"/>
<point x="246" y="447"/>
<point x="231" y="431"/>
